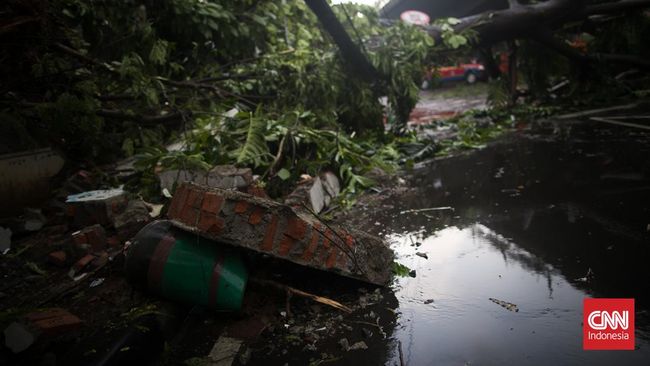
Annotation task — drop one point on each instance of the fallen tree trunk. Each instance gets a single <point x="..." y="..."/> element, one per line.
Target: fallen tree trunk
<point x="538" y="21"/>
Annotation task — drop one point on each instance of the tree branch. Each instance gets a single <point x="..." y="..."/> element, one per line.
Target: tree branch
<point x="356" y="60"/>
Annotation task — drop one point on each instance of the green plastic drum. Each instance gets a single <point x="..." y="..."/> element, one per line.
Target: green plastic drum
<point x="181" y="266"/>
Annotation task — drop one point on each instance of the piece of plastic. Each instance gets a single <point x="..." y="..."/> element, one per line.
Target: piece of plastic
<point x="183" y="267"/>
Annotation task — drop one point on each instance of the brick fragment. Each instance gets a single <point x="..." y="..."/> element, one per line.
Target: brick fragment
<point x="212" y="203"/>
<point x="283" y="232"/>
<point x="256" y="216"/>
<point x="331" y="259"/>
<point x="286" y="243"/>
<point x="267" y="243"/>
<point x="58" y="258"/>
<point x="54" y="321"/>
<point x="296" y="228"/>
<point x="241" y="207"/>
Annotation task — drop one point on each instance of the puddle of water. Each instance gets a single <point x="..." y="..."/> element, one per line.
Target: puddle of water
<point x="465" y="268"/>
<point x="532" y="217"/>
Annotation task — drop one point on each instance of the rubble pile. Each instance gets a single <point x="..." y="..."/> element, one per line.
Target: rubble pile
<point x="93" y="261"/>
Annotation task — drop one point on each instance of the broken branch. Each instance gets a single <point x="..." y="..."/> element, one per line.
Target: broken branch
<point x="294" y="291"/>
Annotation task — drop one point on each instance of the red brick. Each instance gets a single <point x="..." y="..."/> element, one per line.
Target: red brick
<point x="212" y="202"/>
<point x="331" y="259"/>
<point x="349" y="240"/>
<point x="296" y="228"/>
<point x="285" y="245"/>
<point x="83" y="262"/>
<point x="194" y="199"/>
<point x="189" y="215"/>
<point x="178" y="202"/>
<point x="257" y="191"/>
<point x="46" y="314"/>
<point x="267" y="243"/>
<point x="96" y="237"/>
<point x="54" y="321"/>
<point x="79" y="238"/>
<point x="241" y="207"/>
<point x="315" y="236"/>
<point x="256" y="216"/>
<point x="343" y="260"/>
<point x="210" y="222"/>
<point x="58" y="258"/>
<point x="218" y="226"/>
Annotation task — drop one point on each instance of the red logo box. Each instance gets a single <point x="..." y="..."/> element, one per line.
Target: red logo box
<point x="608" y="324"/>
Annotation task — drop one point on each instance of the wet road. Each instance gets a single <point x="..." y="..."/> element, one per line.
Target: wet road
<point x="542" y="220"/>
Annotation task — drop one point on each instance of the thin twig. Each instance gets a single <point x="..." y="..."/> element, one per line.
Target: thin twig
<point x="294" y="291"/>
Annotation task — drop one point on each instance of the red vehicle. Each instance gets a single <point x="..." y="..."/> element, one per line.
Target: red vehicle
<point x="471" y="73"/>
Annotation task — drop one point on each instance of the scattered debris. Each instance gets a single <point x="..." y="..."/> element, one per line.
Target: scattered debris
<point x="221" y="176"/>
<point x="271" y="228"/>
<point x="345" y="344"/>
<point x="154" y="209"/>
<point x="18" y="337"/>
<point x="97" y="282"/>
<point x="79" y="266"/>
<point x="54" y="321"/>
<point x="96" y="207"/>
<point x="423" y="255"/>
<point x="224" y="351"/>
<point x="505" y="304"/>
<point x="291" y="290"/>
<point x="357" y="346"/>
<point x="134" y="216"/>
<point x="317" y="193"/>
<point x="445" y="208"/>
<point x="35" y="268"/>
<point x="90" y="239"/>
<point x="589" y="276"/>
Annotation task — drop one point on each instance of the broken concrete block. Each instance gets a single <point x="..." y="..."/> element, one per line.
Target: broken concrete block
<point x="272" y="228"/>
<point x="96" y="207"/>
<point x="18" y="337"/>
<point x="91" y="238"/>
<point x="134" y="216"/>
<point x="224" y="351"/>
<point x="221" y="176"/>
<point x="316" y="193"/>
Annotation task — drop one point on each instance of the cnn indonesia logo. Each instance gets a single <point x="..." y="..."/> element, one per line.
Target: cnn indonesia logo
<point x="608" y="324"/>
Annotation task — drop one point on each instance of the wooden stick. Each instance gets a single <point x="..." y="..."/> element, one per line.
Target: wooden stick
<point x="619" y="123"/>
<point x="596" y="111"/>
<point x="294" y="291"/>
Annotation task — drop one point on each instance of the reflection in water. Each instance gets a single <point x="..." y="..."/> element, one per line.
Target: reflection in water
<point x="462" y="326"/>
<point x="532" y="217"/>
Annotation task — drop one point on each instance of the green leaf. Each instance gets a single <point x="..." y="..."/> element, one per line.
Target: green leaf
<point x="283" y="174"/>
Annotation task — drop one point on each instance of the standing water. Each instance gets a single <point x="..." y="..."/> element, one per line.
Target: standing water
<point x="537" y="223"/>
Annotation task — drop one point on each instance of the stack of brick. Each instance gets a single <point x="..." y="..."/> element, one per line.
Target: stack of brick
<point x="265" y="226"/>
